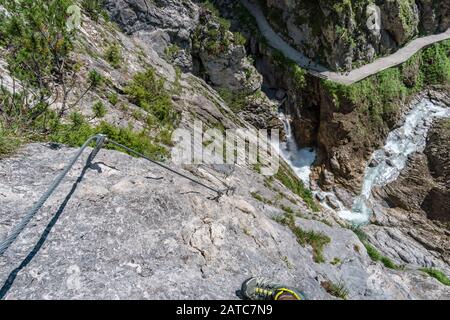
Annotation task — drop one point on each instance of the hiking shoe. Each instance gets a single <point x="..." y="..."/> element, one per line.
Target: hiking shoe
<point x="258" y="288"/>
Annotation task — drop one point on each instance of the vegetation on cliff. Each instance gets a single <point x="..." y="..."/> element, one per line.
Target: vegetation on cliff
<point x="344" y="34"/>
<point x="40" y="53"/>
<point x="437" y="274"/>
<point x="380" y="95"/>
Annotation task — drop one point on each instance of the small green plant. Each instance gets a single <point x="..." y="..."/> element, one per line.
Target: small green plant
<point x="438" y="275"/>
<point x="336" y="261"/>
<point x="362" y="236"/>
<point x="78" y="130"/>
<point x="336" y="289"/>
<point x="373" y="253"/>
<point x="8" y="143"/>
<point x="288" y="263"/>
<point x="287" y="209"/>
<point x="239" y="39"/>
<point x="257" y="168"/>
<point x="165" y="137"/>
<point x="99" y="110"/>
<point x="257" y="196"/>
<point x="260" y="198"/>
<point x="294" y="184"/>
<point x="148" y="91"/>
<point x="113" y="98"/>
<point x="316" y="240"/>
<point x="95" y="79"/>
<point x="94" y="9"/>
<point x="237" y="101"/>
<point x="113" y="55"/>
<point x="171" y="52"/>
<point x="177" y="86"/>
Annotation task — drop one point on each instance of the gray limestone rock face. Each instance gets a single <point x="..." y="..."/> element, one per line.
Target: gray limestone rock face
<point x="231" y="70"/>
<point x="223" y="56"/>
<point x="128" y="230"/>
<point x="160" y="25"/>
<point x="177" y="17"/>
<point x="193" y="38"/>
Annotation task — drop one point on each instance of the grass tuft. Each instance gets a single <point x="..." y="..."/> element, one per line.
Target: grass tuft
<point x="335" y="289"/>
<point x="373" y="253"/>
<point x="297" y="187"/>
<point x="316" y="240"/>
<point x="438" y="275"/>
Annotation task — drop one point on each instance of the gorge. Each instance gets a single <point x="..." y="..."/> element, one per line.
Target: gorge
<point x="359" y="208"/>
<point x="385" y="164"/>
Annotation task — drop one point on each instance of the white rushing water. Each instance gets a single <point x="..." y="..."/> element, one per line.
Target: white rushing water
<point x="388" y="162"/>
<point x="300" y="159"/>
<point x="385" y="164"/>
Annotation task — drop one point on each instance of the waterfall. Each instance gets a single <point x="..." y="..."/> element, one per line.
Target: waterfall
<point x="299" y="159"/>
<point x="384" y="166"/>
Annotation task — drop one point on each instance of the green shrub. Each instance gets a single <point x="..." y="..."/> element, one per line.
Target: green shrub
<point x="78" y="130"/>
<point x="316" y="240"/>
<point x="165" y="137"/>
<point x="388" y="263"/>
<point x="239" y="39"/>
<point x="94" y="9"/>
<point x="287" y="209"/>
<point x="95" y="79"/>
<point x="217" y="39"/>
<point x="372" y="252"/>
<point x="260" y="198"/>
<point x="148" y="91"/>
<point x="37" y="40"/>
<point x="38" y="48"/>
<point x="113" y="55"/>
<point x="171" y="52"/>
<point x="257" y="196"/>
<point x="139" y="141"/>
<point x="208" y="5"/>
<point x="295" y="72"/>
<point x="113" y="98"/>
<point x="99" y="110"/>
<point x="237" y="101"/>
<point x="362" y="236"/>
<point x="436" y="66"/>
<point x="8" y="143"/>
<point x="336" y="261"/>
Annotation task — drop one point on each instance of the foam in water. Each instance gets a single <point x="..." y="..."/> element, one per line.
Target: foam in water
<point x="300" y="159"/>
